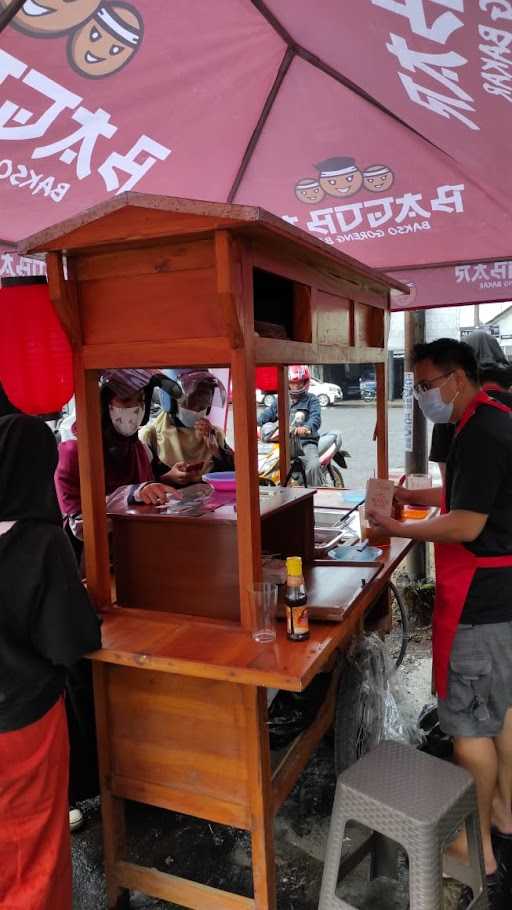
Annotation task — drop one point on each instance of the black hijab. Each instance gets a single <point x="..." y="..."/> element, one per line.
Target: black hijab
<point x="493" y="365"/>
<point x="6" y="406"/>
<point x="28" y="459"/>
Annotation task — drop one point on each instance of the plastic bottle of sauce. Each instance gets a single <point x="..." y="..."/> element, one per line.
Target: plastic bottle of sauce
<point x="295" y="598"/>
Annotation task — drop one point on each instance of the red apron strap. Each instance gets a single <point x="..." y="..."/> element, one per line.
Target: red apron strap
<point x="494" y="562"/>
<point x="481" y="398"/>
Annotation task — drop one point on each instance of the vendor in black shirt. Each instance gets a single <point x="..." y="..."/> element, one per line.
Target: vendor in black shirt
<point x="472" y="625"/>
<point x="495" y="377"/>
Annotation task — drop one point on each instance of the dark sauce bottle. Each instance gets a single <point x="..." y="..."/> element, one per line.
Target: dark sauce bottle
<point x="295" y="598"/>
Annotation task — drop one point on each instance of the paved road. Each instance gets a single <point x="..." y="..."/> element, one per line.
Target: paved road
<point x="356" y="422"/>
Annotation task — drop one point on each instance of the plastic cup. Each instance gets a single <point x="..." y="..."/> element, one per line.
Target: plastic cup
<point x="368" y="533"/>
<point x="264" y="597"/>
<point x="363" y="524"/>
<point x="418" y="481"/>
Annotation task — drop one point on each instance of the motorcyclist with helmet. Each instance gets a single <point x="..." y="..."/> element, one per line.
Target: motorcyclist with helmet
<point x="182" y="436"/>
<point x="305" y="419"/>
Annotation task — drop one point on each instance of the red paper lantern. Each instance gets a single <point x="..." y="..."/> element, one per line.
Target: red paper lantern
<point x="36" y="364"/>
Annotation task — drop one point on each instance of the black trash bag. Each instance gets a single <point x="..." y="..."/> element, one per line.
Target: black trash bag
<point x="436" y="742"/>
<point x="293" y="712"/>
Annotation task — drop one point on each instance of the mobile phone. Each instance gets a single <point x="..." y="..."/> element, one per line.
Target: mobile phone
<point x="194" y="467"/>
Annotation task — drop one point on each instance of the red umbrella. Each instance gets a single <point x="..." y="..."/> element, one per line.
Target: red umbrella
<point x="377" y="125"/>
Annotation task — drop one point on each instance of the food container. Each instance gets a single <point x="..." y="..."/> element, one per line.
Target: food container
<point x="223" y="481"/>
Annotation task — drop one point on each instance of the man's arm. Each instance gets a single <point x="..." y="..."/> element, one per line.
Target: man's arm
<point x="268" y="415"/>
<point x="428" y="496"/>
<point x="458" y="526"/>
<point x="315" y="416"/>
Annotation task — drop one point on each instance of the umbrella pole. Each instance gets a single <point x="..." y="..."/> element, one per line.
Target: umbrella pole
<point x="416" y="461"/>
<point x="8" y="14"/>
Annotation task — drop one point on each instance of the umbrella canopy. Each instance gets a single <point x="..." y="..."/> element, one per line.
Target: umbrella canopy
<point x="379" y="126"/>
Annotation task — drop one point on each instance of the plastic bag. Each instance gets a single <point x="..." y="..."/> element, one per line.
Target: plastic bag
<point x="368" y="703"/>
<point x="435" y="742"/>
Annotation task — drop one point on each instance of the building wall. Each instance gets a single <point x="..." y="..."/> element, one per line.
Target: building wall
<point x="505" y="324"/>
<point x="443" y="323"/>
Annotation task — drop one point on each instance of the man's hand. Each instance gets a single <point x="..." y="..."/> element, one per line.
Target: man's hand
<point x="383" y="525"/>
<point x="429" y="496"/>
<point x="302" y="431"/>
<point x="403" y="495"/>
<point x="153" y="494"/>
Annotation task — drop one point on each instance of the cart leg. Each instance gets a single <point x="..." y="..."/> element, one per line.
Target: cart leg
<point x="260" y="785"/>
<point x="112" y="808"/>
<point x="114" y="841"/>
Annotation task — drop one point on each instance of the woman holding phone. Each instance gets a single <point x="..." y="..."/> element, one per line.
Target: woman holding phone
<point x="182" y="436"/>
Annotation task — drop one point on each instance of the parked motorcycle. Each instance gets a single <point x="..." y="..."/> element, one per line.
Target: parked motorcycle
<point x="332" y="458"/>
<point x="368" y="389"/>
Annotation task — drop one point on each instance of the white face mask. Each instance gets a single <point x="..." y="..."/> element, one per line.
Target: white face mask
<point x="189" y="418"/>
<point x="126" y="421"/>
<point x="433" y="406"/>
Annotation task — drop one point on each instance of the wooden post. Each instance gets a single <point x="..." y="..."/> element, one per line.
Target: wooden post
<point x="92" y="483"/>
<point x="63" y="295"/>
<point x="260" y="785"/>
<point x="90" y="451"/>
<point x="232" y="260"/>
<point x="382" y="424"/>
<point x="284" y="420"/>
<point x="112" y="808"/>
<point x="416" y="461"/>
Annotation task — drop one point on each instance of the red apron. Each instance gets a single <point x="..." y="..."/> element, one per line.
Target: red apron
<point x="455" y="570"/>
<point x="35" y="852"/>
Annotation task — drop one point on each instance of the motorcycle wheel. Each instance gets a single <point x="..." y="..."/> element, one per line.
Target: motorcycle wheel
<point x="334" y="477"/>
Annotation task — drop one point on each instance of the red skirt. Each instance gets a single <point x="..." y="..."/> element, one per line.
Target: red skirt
<point x="35" y="852"/>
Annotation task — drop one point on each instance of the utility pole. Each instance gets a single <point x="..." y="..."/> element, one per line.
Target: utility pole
<point x="416" y="460"/>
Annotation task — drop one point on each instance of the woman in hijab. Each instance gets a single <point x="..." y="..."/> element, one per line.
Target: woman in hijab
<point x="129" y="471"/>
<point x="181" y="437"/>
<point x="46" y="625"/>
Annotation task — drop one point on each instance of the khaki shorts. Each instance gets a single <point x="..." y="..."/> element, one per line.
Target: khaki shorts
<point x="479" y="681"/>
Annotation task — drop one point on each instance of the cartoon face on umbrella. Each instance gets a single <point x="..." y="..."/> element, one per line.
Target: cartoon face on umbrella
<point x="47" y="18"/>
<point x="308" y="190"/>
<point x="378" y="178"/>
<point x="107" y="41"/>
<point x="339" y="176"/>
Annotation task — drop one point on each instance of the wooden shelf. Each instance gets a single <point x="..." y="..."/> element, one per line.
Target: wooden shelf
<point x="168" y="642"/>
<point x="281" y="499"/>
<point x="282" y="351"/>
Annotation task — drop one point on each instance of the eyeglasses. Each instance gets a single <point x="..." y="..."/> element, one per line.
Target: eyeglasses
<point x="426" y="384"/>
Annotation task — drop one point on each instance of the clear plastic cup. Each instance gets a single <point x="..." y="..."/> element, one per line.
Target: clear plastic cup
<point x="264" y="597"/>
<point x="363" y="524"/>
<point x="418" y="481"/>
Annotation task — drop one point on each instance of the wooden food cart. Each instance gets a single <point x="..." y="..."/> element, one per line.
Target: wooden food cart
<point x="180" y="686"/>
